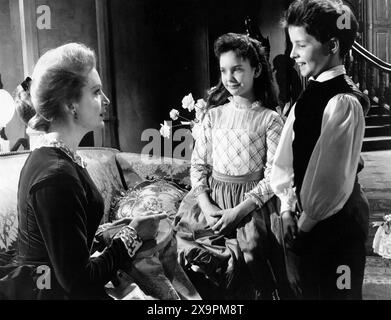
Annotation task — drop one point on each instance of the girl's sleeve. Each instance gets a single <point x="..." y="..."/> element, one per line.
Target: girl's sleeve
<point x="263" y="191"/>
<point x="332" y="168"/>
<point x="281" y="175"/>
<point x="201" y="159"/>
<point x="62" y="220"/>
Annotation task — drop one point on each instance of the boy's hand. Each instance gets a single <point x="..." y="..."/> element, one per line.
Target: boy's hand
<point x="289" y="225"/>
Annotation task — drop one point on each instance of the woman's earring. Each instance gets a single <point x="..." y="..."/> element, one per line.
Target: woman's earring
<point x="75" y="114"/>
<point x="257" y="72"/>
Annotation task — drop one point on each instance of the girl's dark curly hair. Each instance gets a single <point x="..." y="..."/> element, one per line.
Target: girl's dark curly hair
<point x="247" y="48"/>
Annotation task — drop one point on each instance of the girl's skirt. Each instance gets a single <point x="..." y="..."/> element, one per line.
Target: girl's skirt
<point x="246" y="264"/>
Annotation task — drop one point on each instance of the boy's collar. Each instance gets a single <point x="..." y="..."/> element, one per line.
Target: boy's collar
<point x="330" y="74"/>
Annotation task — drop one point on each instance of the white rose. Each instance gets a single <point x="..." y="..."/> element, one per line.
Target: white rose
<point x="201" y="104"/>
<point x="188" y="102"/>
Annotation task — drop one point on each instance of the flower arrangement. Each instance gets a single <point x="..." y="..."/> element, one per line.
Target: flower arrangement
<point x="382" y="240"/>
<point x="189" y="104"/>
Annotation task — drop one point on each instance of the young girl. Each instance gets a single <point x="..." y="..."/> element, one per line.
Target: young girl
<point x="223" y="224"/>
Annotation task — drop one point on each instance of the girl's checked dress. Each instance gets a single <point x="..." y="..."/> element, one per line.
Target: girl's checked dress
<point x="231" y="160"/>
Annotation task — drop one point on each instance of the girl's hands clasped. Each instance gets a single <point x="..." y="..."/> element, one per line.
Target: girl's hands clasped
<point x="229" y="220"/>
<point x="212" y="215"/>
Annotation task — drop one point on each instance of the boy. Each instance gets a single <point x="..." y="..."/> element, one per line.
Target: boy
<point x="317" y="159"/>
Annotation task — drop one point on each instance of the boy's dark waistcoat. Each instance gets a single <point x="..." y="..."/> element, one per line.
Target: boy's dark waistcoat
<point x="308" y="119"/>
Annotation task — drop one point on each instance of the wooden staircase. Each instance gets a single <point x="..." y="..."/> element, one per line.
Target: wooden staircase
<point x="373" y="77"/>
<point x="377" y="129"/>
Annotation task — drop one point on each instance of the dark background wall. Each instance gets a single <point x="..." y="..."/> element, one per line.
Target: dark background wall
<point x="159" y="54"/>
<point x="71" y="21"/>
<point x="164" y="50"/>
<point x="11" y="66"/>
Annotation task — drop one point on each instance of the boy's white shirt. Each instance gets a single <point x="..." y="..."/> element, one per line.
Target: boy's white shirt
<point x="332" y="168"/>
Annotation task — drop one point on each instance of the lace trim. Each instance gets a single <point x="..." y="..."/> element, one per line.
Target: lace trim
<point x="256" y="198"/>
<point x="288" y="199"/>
<point x="131" y="240"/>
<point x="54" y="143"/>
<point x="200" y="189"/>
<point x="254" y="105"/>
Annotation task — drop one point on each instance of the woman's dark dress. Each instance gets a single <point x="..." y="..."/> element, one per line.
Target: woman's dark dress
<point x="59" y="211"/>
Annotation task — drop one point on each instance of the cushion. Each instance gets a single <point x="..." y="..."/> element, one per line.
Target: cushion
<point x="137" y="167"/>
<point x="155" y="267"/>
<point x="10" y="166"/>
<point x="153" y="195"/>
<point x="102" y="167"/>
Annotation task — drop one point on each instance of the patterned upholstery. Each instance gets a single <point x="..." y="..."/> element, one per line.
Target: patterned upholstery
<point x="104" y="172"/>
<point x="10" y="166"/>
<point x="138" y="167"/>
<point x="156" y="195"/>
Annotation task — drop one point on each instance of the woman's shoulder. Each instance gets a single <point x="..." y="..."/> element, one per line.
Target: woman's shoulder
<point x="47" y="164"/>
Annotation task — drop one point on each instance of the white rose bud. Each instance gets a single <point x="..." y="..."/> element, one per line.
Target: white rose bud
<point x="174" y="114"/>
<point x="165" y="130"/>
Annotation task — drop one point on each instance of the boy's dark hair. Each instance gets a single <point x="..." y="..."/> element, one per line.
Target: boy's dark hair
<point x="324" y="19"/>
<point x="247" y="48"/>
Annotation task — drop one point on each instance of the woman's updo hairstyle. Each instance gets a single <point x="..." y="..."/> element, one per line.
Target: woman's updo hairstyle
<point x="58" y="79"/>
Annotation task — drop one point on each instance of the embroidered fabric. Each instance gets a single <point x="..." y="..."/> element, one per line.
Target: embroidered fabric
<point x="254" y="105"/>
<point x="131" y="240"/>
<point x="54" y="143"/>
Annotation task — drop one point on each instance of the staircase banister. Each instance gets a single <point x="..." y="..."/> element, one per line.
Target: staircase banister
<point x="371" y="57"/>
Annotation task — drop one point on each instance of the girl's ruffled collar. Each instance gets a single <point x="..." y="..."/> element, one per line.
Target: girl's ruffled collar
<point x="48" y="141"/>
<point x="254" y="105"/>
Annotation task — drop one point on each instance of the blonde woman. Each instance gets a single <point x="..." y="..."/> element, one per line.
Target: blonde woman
<point x="59" y="207"/>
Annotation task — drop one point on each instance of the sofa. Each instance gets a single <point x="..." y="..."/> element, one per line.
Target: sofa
<point x="112" y="171"/>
